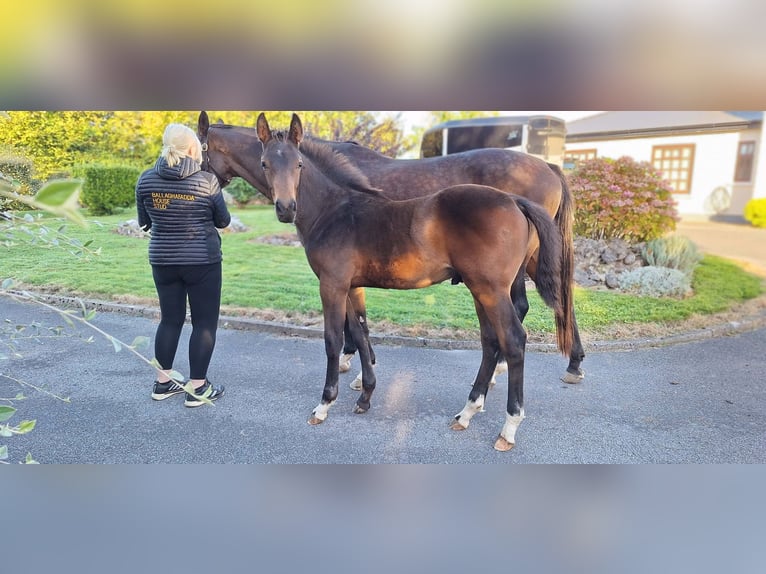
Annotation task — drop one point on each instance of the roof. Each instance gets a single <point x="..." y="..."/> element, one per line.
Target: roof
<point x="614" y="125"/>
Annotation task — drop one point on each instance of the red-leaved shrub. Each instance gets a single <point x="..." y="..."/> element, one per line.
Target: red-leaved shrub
<point x="623" y="199"/>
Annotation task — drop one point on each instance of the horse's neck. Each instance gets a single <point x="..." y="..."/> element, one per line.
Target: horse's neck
<point x="320" y="199"/>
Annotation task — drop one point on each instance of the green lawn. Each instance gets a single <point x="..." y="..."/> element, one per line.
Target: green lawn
<point x="263" y="276"/>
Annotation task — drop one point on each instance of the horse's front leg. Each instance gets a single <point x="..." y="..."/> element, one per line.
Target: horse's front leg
<point x="334" y="310"/>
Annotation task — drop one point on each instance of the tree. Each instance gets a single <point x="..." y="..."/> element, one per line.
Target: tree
<point x="54" y="141"/>
<point x="57" y="142"/>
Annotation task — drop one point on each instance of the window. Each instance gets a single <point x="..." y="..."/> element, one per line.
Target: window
<point x="465" y="138"/>
<point x="575" y="156"/>
<point x="675" y="164"/>
<point x="744" y="169"/>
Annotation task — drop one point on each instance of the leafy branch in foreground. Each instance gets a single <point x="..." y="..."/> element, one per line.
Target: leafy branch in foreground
<point x="58" y="198"/>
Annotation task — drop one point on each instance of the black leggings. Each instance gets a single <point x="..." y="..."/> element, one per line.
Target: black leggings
<point x="202" y="285"/>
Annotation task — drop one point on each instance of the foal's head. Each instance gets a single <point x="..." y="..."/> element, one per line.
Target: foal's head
<point x="282" y="163"/>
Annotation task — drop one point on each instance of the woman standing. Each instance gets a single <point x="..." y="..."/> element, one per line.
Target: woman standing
<point x="183" y="206"/>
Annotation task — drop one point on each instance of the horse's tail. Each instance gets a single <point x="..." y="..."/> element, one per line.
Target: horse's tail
<point x="549" y="273"/>
<point x="565" y="220"/>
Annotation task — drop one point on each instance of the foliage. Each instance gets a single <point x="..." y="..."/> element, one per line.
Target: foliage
<point x="107" y="187"/>
<point x="654" y="281"/>
<point x="755" y="212"/>
<point x="674" y="251"/>
<point x="440" y="117"/>
<point x="623" y="199"/>
<point x="57" y="141"/>
<point x="243" y="193"/>
<point x="18" y="172"/>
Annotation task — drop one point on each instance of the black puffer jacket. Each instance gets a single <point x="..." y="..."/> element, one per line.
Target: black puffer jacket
<point x="182" y="205"/>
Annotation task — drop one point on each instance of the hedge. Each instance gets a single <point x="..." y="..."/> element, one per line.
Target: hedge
<point x="108" y="187"/>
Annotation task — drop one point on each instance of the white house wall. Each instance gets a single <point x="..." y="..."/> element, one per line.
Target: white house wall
<point x="715" y="158"/>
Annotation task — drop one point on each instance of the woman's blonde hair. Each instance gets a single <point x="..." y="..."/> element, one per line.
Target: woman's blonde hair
<point x="179" y="141"/>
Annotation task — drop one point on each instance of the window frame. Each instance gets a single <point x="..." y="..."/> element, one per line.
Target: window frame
<point x="666" y="155"/>
<point x="744" y="162"/>
<point x="577" y="155"/>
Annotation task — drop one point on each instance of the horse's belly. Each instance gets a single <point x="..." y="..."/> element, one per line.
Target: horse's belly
<point x="401" y="273"/>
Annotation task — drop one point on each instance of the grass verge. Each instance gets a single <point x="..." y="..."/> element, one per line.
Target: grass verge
<point x="275" y="282"/>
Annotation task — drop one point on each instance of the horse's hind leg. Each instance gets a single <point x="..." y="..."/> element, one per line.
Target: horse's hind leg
<point x="349" y="349"/>
<point x="513" y="340"/>
<point x="360" y="336"/>
<point x="489" y="357"/>
<point x="360" y="308"/>
<point x="574" y="373"/>
<point x="521" y="306"/>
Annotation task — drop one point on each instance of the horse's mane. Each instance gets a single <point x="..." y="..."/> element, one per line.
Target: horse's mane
<point x="333" y="164"/>
<point x="243" y="129"/>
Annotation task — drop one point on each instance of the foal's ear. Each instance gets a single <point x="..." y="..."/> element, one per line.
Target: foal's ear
<point x="296" y="130"/>
<point x="203" y="124"/>
<point x="262" y="129"/>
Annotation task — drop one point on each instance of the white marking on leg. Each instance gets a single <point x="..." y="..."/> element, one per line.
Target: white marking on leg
<point x="471" y="408"/>
<point x="511" y="425"/>
<point x="500" y="368"/>
<point x="344" y="365"/>
<point x="320" y="412"/>
<point x="356" y="384"/>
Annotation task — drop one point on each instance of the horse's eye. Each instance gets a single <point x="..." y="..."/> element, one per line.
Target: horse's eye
<point x="263" y="165"/>
<point x="300" y="163"/>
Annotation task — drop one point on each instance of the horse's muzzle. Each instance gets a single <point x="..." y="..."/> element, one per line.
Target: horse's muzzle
<point x="285" y="213"/>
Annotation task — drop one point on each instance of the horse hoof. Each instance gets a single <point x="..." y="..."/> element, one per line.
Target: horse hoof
<point x="313" y="421"/>
<point x="356" y="384"/>
<point x="359" y="410"/>
<point x="572" y="379"/>
<point x="456" y="425"/>
<point x="503" y="445"/>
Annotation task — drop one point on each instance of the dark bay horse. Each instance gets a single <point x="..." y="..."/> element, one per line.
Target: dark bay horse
<point x="233" y="151"/>
<point x="356" y="237"/>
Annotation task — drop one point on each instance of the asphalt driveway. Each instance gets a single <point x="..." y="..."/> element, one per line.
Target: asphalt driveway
<point x="695" y="402"/>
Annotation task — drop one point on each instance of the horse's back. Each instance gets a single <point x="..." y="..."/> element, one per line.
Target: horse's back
<point x="471" y="210"/>
<point x="507" y="170"/>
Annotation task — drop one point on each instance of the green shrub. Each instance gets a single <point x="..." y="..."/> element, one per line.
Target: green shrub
<point x="107" y="187"/>
<point x="674" y="251"/>
<point x="656" y="282"/>
<point x="622" y="199"/>
<point x="242" y="192"/>
<point x="19" y="172"/>
<point x="755" y="212"/>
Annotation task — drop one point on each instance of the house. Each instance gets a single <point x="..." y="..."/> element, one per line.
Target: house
<point x="711" y="159"/>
